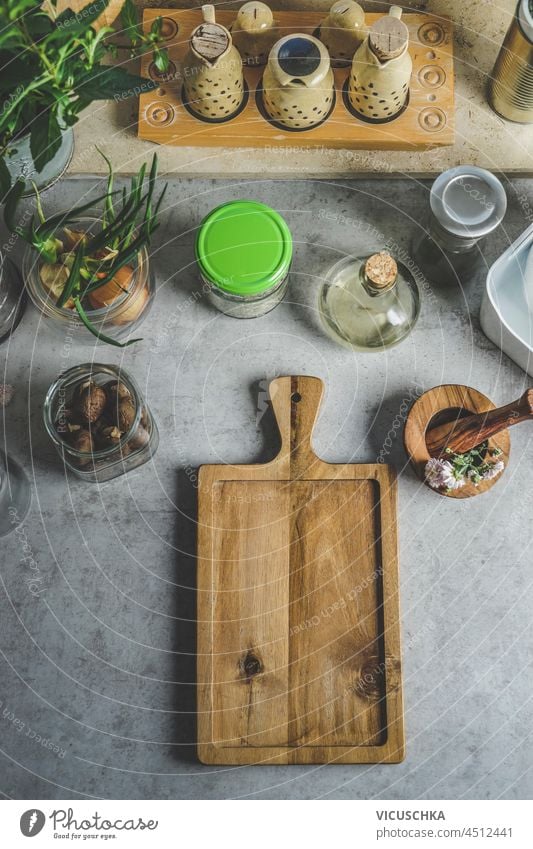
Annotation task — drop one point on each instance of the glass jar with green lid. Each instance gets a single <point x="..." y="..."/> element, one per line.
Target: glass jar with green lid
<point x="244" y="253"/>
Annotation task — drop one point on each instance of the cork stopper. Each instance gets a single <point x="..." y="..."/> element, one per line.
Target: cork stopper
<point x="388" y="36"/>
<point x="381" y="270"/>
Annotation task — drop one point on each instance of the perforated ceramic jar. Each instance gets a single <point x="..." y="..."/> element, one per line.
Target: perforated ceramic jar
<point x="244" y="254"/>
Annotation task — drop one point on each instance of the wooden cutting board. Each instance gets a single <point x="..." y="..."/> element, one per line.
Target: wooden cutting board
<point x="298" y="609"/>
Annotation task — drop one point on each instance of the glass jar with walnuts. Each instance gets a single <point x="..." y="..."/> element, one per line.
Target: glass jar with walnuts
<point x="99" y="422"/>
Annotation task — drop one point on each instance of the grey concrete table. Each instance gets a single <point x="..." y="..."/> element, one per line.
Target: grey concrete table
<point x="98" y="666"/>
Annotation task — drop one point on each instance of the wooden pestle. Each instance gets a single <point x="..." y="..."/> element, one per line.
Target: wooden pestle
<point x="463" y="434"/>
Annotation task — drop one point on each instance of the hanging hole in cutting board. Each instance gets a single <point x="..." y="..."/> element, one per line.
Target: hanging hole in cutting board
<point x="296" y="397"/>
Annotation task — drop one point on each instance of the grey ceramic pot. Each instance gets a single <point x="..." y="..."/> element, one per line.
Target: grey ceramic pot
<point x="20" y="162"/>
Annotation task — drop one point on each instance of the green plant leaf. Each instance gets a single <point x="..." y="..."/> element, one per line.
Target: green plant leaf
<point x="122" y="260"/>
<point x="45" y="139"/>
<point x="109" y="212"/>
<point x="130" y="21"/>
<point x="75" y="23"/>
<point x="108" y="83"/>
<point x="122" y="221"/>
<point x="5" y="178"/>
<point x="73" y="277"/>
<point x="16" y="71"/>
<point x="11" y="204"/>
<point x="60" y="219"/>
<point x="39" y="24"/>
<point x="161" y="59"/>
<point x="153" y="221"/>
<point x="99" y="335"/>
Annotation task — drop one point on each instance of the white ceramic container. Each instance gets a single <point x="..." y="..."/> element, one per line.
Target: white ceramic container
<point x="505" y="316"/>
<point x="298" y="83"/>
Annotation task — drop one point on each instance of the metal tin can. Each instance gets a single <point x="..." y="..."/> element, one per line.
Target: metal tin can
<point x="511" y="84"/>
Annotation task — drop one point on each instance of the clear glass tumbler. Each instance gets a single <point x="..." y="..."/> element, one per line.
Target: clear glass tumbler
<point x="15" y="494"/>
<point x="12" y="297"/>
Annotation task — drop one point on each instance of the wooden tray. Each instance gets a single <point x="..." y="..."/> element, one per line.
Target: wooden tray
<point x="298" y="610"/>
<point x="427" y="121"/>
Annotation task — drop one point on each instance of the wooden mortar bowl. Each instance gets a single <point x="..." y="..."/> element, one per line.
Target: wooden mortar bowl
<point x="444" y="404"/>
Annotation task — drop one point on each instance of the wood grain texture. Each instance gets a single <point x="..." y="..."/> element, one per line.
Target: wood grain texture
<point x="463" y="434"/>
<point x="298" y="611"/>
<point x="441" y="405"/>
<point x="427" y="121"/>
<point x="106" y="19"/>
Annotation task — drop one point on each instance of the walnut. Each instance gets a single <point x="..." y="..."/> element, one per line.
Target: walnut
<point x="117" y="391"/>
<point x="82" y="441"/>
<point x="99" y="429"/>
<point x="91" y="402"/>
<point x="109" y="435"/>
<point x="80" y="388"/>
<point x="140" y="438"/>
<point x="125" y="415"/>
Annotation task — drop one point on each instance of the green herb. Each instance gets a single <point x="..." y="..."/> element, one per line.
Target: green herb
<point x="474" y="465"/>
<point x="53" y="67"/>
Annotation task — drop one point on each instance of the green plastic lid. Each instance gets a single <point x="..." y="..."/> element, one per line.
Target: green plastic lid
<point x="244" y="247"/>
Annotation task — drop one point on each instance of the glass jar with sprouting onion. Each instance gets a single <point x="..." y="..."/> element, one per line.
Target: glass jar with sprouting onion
<point x="115" y="310"/>
<point x="93" y="273"/>
<point x="99" y="422"/>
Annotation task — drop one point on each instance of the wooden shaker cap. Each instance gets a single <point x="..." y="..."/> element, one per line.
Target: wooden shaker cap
<point x="381" y="270"/>
<point x="210" y="40"/>
<point x="388" y="37"/>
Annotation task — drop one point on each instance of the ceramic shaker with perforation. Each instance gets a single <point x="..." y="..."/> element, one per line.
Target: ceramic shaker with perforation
<point x="342" y="31"/>
<point x="253" y="32"/>
<point x="378" y="86"/>
<point x="298" y="84"/>
<point x="213" y="80"/>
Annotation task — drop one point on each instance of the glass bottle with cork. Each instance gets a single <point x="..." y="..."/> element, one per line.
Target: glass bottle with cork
<point x="369" y="303"/>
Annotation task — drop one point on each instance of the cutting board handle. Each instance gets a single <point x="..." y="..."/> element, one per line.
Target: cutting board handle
<point x="296" y="401"/>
